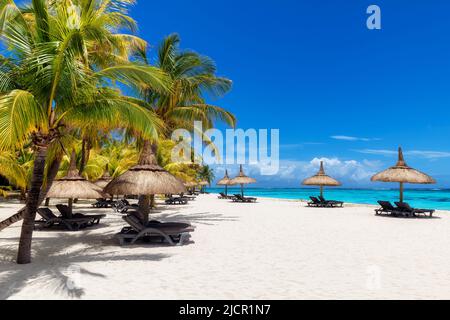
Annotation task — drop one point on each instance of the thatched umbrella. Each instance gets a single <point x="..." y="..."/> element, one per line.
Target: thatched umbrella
<point x="225" y="181"/>
<point x="190" y="185"/>
<point x="402" y="173"/>
<point x="203" y="184"/>
<point x="321" y="179"/>
<point x="73" y="186"/>
<point x="105" y="179"/>
<point x="145" y="179"/>
<point x="242" y="179"/>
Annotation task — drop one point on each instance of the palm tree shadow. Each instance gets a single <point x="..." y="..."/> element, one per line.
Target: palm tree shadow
<point x="205" y="218"/>
<point x="55" y="263"/>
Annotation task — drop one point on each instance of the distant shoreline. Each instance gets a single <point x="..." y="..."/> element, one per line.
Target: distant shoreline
<point x="434" y="198"/>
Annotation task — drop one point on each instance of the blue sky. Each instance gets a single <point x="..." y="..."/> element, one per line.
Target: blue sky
<point x="335" y="89"/>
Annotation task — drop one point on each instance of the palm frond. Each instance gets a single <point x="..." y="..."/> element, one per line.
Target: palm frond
<point x="20" y="115"/>
<point x="138" y="76"/>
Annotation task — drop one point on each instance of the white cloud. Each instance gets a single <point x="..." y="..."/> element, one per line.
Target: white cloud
<point x="377" y="152"/>
<point x="429" y="154"/>
<point x="293" y="172"/>
<point x="414" y="153"/>
<point x="352" y="170"/>
<point x="350" y="138"/>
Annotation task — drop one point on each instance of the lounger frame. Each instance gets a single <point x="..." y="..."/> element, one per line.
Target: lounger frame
<point x="136" y="231"/>
<point x="241" y="199"/>
<point x="49" y="220"/>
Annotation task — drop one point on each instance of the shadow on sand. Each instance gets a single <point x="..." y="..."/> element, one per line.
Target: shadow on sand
<point x="205" y="218"/>
<point x="55" y="262"/>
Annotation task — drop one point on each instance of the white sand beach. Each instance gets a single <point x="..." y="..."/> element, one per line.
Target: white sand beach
<point x="273" y="249"/>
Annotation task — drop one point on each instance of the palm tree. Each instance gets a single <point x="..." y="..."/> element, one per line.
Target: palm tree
<point x="184" y="171"/>
<point x="56" y="79"/>
<point x="193" y="77"/>
<point x="116" y="156"/>
<point x="206" y="173"/>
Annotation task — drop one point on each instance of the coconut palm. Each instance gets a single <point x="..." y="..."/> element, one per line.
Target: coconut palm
<point x="206" y="173"/>
<point x="16" y="168"/>
<point x="193" y="77"/>
<point x="116" y="156"/>
<point x="184" y="171"/>
<point x="56" y="79"/>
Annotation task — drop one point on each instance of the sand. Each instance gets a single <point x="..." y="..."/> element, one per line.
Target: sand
<point x="273" y="249"/>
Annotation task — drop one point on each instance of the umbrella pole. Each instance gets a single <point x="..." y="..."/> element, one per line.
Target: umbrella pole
<point x="401" y="191"/>
<point x="144" y="208"/>
<point x="152" y="202"/>
<point x="70" y="208"/>
<point x="321" y="191"/>
<point x="226" y="190"/>
<point x="242" y="189"/>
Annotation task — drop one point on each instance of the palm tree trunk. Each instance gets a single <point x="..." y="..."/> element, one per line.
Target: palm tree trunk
<point x="51" y="175"/>
<point x="152" y="202"/>
<point x="26" y="236"/>
<point x="85" y="152"/>
<point x="23" y="195"/>
<point x="144" y="200"/>
<point x="147" y="202"/>
<point x="13" y="219"/>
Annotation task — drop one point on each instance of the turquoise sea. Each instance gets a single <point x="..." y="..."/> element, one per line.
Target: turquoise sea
<point x="419" y="198"/>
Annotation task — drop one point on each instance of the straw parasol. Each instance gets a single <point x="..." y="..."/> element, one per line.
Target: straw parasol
<point x="203" y="184"/>
<point x="242" y="179"/>
<point x="104" y="180"/>
<point x="190" y="184"/>
<point x="226" y="181"/>
<point x="321" y="179"/>
<point x="73" y="186"/>
<point x="402" y="173"/>
<point x="145" y="179"/>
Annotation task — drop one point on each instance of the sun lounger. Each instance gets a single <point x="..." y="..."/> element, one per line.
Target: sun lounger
<point x="411" y="212"/>
<point x="123" y="205"/>
<point x="224" y="196"/>
<point x="65" y="212"/>
<point x="315" y="202"/>
<point x="331" y="203"/>
<point x="49" y="219"/>
<point x="176" y="200"/>
<point x="387" y="208"/>
<point x="322" y="203"/>
<point x="189" y="198"/>
<point x="240" y="198"/>
<point x="172" y="232"/>
<point x="103" y="203"/>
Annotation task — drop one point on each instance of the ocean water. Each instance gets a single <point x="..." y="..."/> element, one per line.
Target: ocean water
<point x="419" y="198"/>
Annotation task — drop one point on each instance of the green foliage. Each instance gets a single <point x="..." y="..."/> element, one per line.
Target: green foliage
<point x="16" y="167"/>
<point x="193" y="78"/>
<point x="206" y="173"/>
<point x="58" y="77"/>
<point x="184" y="171"/>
